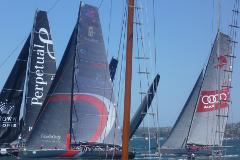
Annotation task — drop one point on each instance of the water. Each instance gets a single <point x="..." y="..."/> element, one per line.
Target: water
<point x="141" y="147"/>
<point x="231" y="151"/>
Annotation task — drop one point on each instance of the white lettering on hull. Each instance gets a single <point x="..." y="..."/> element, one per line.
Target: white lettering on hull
<point x="51" y="137"/>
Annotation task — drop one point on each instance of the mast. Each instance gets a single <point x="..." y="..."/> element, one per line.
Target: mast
<point x="73" y="77"/>
<point x="218" y="128"/>
<point x="128" y="81"/>
<point x="72" y="103"/>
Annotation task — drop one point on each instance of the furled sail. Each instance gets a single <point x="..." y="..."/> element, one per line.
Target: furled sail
<point x="112" y="67"/>
<point x="11" y="98"/>
<point x="179" y="133"/>
<point x="41" y="70"/>
<point x="80" y="101"/>
<point x="211" y="114"/>
<point x="144" y="106"/>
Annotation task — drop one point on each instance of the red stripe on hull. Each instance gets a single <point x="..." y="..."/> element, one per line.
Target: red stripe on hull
<point x="70" y="153"/>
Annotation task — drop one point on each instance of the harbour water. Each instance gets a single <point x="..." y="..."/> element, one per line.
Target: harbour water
<point x="141" y="146"/>
<point x="231" y="150"/>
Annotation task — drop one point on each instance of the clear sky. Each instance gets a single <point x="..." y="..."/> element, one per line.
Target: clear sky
<point x="185" y="31"/>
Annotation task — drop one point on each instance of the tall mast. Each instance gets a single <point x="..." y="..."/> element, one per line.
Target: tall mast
<point x="128" y="81"/>
<point x="73" y="77"/>
<point x="218" y="79"/>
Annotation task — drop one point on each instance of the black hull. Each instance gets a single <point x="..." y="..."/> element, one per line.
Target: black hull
<point x="8" y="152"/>
<point x="73" y="154"/>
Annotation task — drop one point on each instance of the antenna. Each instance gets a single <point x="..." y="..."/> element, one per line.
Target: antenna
<point x="219" y="15"/>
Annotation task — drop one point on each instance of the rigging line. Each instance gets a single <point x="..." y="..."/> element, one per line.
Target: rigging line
<point x="120" y="41"/>
<point x="53" y="6"/>
<point x="141" y="35"/>
<point x="154" y="35"/>
<point x="122" y="68"/>
<point x="108" y="41"/>
<point x="233" y="35"/>
<point x="213" y="15"/>
<point x="149" y="37"/>
<point x="219" y="74"/>
<point x="124" y="24"/>
<point x="143" y="40"/>
<point x="219" y="15"/>
<point x="120" y="59"/>
<point x="12" y="52"/>
<point x="71" y="131"/>
<point x="147" y="76"/>
<point x="25" y="135"/>
<point x="107" y="71"/>
<point x="155" y="66"/>
<point x="109" y="27"/>
<point x="19" y="44"/>
<point x="138" y="52"/>
<point x="100" y="4"/>
<point x="235" y="31"/>
<point x="139" y="30"/>
<point x="149" y="136"/>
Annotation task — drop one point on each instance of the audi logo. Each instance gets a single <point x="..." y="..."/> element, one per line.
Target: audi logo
<point x="211" y="99"/>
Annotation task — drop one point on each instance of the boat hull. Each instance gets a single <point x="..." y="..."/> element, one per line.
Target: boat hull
<point x="183" y="151"/>
<point x="8" y="152"/>
<point x="73" y="154"/>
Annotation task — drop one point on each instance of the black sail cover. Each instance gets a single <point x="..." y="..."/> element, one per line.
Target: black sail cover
<point x="144" y="106"/>
<point x="41" y="70"/>
<point x="113" y="67"/>
<point x="94" y="117"/>
<point x="11" y="98"/>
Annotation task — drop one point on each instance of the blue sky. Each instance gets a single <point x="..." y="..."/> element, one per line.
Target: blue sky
<point x="185" y="31"/>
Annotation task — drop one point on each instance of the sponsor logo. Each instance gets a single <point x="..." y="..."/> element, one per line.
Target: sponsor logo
<point x="96" y="148"/>
<point x="46" y="40"/>
<point x="8" y="121"/>
<point x="41" y="50"/>
<point x="90" y="31"/>
<point x="51" y="137"/>
<point x="222" y="61"/>
<point x="6" y="117"/>
<point x="213" y="100"/>
<point x="90" y="13"/>
<point x="5" y="108"/>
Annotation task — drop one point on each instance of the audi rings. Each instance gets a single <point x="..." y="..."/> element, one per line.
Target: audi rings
<point x="212" y="99"/>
